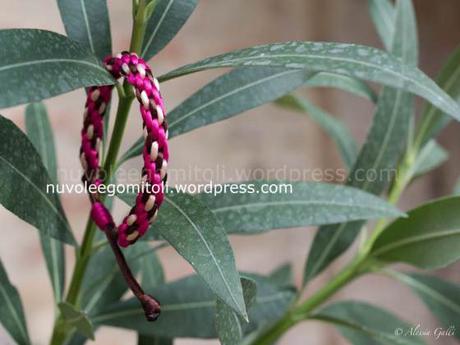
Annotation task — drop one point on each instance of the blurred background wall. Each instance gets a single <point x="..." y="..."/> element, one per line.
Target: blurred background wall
<point x="256" y="139"/>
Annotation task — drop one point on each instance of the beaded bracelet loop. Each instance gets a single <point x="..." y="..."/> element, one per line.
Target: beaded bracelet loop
<point x="155" y="154"/>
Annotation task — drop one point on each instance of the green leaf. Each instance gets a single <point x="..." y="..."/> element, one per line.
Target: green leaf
<point x="431" y="156"/>
<point x="11" y="312"/>
<point x="152" y="277"/>
<point x="441" y="297"/>
<point x="87" y="22"/>
<point x="76" y="318"/>
<point x="333" y="127"/>
<point x="352" y="85"/>
<point x="429" y="238"/>
<point x="309" y="203"/>
<point x="168" y="18"/>
<point x="233" y="93"/>
<point x="271" y="303"/>
<point x="365" y="324"/>
<point x="152" y="271"/>
<point x="40" y="133"/>
<point x="189" y="302"/>
<point x="207" y="248"/>
<point x="149" y="9"/>
<point x="38" y="64"/>
<point x="346" y="59"/>
<point x="380" y="153"/>
<point x="283" y="275"/>
<point x="228" y="325"/>
<point x="383" y="15"/>
<point x="76" y="339"/>
<point x="435" y="120"/>
<point x="23" y="185"/>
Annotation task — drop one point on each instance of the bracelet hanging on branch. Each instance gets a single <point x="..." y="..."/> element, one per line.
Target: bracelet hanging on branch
<point x="155" y="155"/>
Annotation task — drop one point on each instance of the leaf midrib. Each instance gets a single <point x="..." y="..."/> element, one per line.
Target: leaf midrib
<point x="185" y="306"/>
<point x="14" y="312"/>
<point x="88" y="28"/>
<point x="313" y="56"/>
<point x="197" y="230"/>
<point x="449" y="303"/>
<point x="54" y="60"/>
<point x="160" y="22"/>
<point x="414" y="239"/>
<point x="293" y="202"/>
<point x="228" y="94"/>
<point x="43" y="195"/>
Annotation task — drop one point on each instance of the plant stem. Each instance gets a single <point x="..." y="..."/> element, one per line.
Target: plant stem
<point x="83" y="254"/>
<point x="360" y="264"/>
<point x="403" y="177"/>
<point x="137" y="35"/>
<point x="86" y="247"/>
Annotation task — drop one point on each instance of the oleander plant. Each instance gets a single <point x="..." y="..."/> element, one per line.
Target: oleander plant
<point x="118" y="280"/>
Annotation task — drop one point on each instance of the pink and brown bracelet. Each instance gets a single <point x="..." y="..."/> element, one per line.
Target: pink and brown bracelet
<point x="155" y="155"/>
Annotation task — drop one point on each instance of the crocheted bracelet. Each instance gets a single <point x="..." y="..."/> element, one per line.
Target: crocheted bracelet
<point x="155" y="155"/>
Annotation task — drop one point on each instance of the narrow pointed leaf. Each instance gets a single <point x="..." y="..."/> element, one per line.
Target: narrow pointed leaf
<point x="428" y="238"/>
<point x="380" y="153"/>
<point x="231" y="94"/>
<point x="38" y="64"/>
<point x="309" y="204"/>
<point x="190" y="303"/>
<point x="23" y="185"/>
<point x="168" y="18"/>
<point x="441" y="297"/>
<point x="365" y="324"/>
<point x="76" y="339"/>
<point x="283" y="275"/>
<point x="152" y="271"/>
<point x="152" y="277"/>
<point x="346" y="59"/>
<point x="433" y="119"/>
<point x="228" y="325"/>
<point x="76" y="318"/>
<point x="207" y="248"/>
<point x="431" y="156"/>
<point x="41" y="135"/>
<point x="352" y="85"/>
<point x="383" y="15"/>
<point x="87" y="22"/>
<point x="11" y="312"/>
<point x="333" y="127"/>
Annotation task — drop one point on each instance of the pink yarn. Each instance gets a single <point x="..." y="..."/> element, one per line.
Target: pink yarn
<point x="155" y="153"/>
<point x="101" y="216"/>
